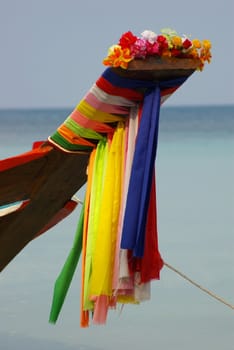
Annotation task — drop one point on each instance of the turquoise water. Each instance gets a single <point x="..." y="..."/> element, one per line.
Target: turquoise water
<point x="195" y="195"/>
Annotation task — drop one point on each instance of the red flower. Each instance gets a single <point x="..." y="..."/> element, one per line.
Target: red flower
<point x="127" y="40"/>
<point x="175" y="52"/>
<point x="187" y="44"/>
<point x="162" y="40"/>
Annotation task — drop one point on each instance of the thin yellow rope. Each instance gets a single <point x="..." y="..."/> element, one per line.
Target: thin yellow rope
<point x="199" y="286"/>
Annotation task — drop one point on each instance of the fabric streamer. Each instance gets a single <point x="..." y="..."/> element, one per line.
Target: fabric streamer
<point x="141" y="176"/>
<point x="64" y="280"/>
<point x="114" y="129"/>
<point x="117" y="122"/>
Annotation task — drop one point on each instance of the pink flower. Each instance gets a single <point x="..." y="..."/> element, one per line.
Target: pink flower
<point x="153" y="49"/>
<point x="139" y="48"/>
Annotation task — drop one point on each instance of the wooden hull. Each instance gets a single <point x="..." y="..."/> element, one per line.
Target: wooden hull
<point x="159" y="68"/>
<point x="49" y="183"/>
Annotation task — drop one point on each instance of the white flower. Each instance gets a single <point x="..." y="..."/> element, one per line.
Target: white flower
<point x="149" y="35"/>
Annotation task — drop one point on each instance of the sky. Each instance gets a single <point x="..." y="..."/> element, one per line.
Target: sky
<point x="52" y="50"/>
<point x="51" y="53"/>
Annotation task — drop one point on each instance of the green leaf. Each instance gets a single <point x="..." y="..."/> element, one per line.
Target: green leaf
<point x="168" y="32"/>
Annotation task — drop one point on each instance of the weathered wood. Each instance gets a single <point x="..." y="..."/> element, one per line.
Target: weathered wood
<point x="158" y="68"/>
<point x="17" y="183"/>
<point x="61" y="176"/>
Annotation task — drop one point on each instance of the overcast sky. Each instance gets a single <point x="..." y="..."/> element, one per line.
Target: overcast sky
<point x="52" y="50"/>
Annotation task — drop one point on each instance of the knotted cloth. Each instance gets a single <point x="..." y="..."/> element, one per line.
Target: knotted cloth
<point x="117" y="122"/>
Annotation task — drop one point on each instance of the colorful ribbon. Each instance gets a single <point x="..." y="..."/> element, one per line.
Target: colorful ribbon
<point x="117" y="122"/>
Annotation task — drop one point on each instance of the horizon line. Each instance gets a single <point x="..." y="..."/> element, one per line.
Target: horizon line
<point x="71" y="108"/>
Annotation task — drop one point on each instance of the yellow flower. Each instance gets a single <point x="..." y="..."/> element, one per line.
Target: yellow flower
<point x="206" y="44"/>
<point x="118" y="57"/>
<point x="176" y="41"/>
<point x="205" y="55"/>
<point x="196" y="43"/>
<point x="194" y="53"/>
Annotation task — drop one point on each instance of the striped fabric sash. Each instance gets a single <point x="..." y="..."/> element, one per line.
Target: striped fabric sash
<point x="108" y="102"/>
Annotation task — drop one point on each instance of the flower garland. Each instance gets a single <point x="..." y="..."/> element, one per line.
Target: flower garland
<point x="167" y="44"/>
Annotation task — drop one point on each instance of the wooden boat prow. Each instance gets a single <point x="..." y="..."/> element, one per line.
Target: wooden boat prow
<point x="159" y="68"/>
<point x="48" y="182"/>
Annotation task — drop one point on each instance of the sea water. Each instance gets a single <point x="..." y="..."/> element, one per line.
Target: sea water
<point x="195" y="199"/>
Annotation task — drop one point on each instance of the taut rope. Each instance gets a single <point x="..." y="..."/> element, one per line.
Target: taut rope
<point x="221" y="300"/>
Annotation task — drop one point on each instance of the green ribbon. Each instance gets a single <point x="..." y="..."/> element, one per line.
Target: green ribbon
<point x="64" y="279"/>
<point x="61" y="141"/>
<point x="81" y="131"/>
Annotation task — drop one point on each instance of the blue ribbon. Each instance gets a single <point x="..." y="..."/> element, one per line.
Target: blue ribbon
<point x="130" y="83"/>
<point x="135" y="217"/>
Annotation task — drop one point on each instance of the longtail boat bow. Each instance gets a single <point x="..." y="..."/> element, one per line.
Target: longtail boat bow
<point x="46" y="178"/>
